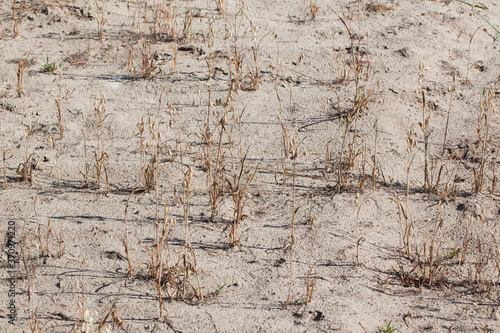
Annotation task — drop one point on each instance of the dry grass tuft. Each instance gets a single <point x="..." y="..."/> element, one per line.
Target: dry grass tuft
<point x="239" y="190"/>
<point x="101" y="170"/>
<point x="27" y="168"/>
<point x="149" y="70"/>
<point x="486" y="109"/>
<point x="23" y="62"/>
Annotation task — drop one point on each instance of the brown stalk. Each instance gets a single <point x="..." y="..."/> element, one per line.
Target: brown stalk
<point x="187" y="30"/>
<point x="358" y="238"/>
<point x="16" y="21"/>
<point x="149" y="69"/>
<point x="360" y="67"/>
<point x="284" y="132"/>
<point x="486" y="108"/>
<point x="126" y="230"/>
<point x="101" y="21"/>
<point x="311" y="281"/>
<point x="464" y="311"/>
<point x="100" y="155"/>
<point x="255" y="71"/>
<point x="403" y="212"/>
<point x="217" y="176"/>
<point x="313" y="9"/>
<point x="221" y="7"/>
<point x="27" y="168"/>
<point x="20" y="71"/>
<point x="424" y="126"/>
<point x="86" y="172"/>
<point x="188" y="267"/>
<point x="451" y="90"/>
<point x="493" y="174"/>
<point x="235" y="58"/>
<point x="328" y="156"/>
<point x="239" y="189"/>
<point x="293" y="150"/>
<point x="468" y="56"/>
<point x="112" y="312"/>
<point x="60" y="119"/>
<point x="35" y="323"/>
<point x="433" y="256"/>
<point x="375" y="168"/>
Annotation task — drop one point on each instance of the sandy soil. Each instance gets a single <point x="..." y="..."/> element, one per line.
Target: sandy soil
<point x="340" y="86"/>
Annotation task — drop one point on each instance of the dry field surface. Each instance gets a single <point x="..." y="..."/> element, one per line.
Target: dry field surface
<point x="249" y="166"/>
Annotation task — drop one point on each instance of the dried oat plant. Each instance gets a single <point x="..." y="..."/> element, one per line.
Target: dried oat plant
<point x="101" y="170"/>
<point x="239" y="183"/>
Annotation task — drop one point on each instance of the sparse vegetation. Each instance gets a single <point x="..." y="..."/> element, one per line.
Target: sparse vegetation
<point x="388" y="328"/>
<point x="199" y="156"/>
<point x="50" y="66"/>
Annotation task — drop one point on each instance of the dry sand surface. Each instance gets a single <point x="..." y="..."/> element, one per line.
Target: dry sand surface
<point x="249" y="166"/>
